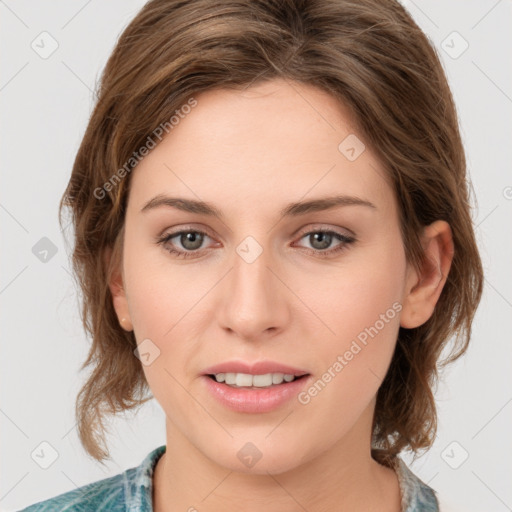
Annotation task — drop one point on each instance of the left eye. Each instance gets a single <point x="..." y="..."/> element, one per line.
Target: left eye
<point x="321" y="240"/>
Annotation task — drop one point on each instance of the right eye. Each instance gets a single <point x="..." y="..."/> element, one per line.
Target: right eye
<point x="190" y="240"/>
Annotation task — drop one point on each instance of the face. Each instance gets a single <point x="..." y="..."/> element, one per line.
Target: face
<point x="318" y="289"/>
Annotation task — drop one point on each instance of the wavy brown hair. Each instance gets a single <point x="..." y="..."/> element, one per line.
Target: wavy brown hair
<point x="368" y="54"/>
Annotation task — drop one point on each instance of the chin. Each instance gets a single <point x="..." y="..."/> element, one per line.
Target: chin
<point x="253" y="461"/>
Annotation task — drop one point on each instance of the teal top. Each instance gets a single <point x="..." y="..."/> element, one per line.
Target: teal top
<point x="132" y="491"/>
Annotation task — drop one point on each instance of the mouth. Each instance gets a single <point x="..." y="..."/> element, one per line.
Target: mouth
<point x="250" y="381"/>
<point x="255" y="393"/>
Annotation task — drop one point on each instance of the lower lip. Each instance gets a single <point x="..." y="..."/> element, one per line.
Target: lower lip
<point x="254" y="400"/>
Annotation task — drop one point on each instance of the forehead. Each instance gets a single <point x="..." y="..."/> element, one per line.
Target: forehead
<point x="268" y="145"/>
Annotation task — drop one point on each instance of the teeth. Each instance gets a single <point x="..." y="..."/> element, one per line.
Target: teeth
<point x="258" y="381"/>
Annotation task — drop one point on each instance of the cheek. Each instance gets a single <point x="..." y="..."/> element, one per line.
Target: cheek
<point x="363" y="293"/>
<point x="167" y="306"/>
<point x="165" y="321"/>
<point x="161" y="294"/>
<point x="360" y="304"/>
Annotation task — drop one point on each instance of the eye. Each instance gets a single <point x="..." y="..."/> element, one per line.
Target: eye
<point x="190" y="240"/>
<point x="323" y="239"/>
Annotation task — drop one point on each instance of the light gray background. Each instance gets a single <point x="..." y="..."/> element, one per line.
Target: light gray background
<point x="45" y="105"/>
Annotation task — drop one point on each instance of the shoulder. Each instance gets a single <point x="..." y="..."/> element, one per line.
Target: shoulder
<point x="131" y="489"/>
<point x="104" y="494"/>
<point x="416" y="494"/>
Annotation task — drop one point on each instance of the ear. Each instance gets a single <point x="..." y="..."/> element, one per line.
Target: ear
<point x="117" y="289"/>
<point x="424" y="287"/>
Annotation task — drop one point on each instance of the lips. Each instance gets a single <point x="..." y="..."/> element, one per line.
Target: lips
<point x="256" y="368"/>
<point x="253" y="399"/>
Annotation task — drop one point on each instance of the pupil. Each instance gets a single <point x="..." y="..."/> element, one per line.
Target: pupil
<point x="323" y="238"/>
<point x="191" y="240"/>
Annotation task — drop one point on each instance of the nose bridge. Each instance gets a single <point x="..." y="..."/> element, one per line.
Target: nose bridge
<point x="250" y="267"/>
<point x="254" y="301"/>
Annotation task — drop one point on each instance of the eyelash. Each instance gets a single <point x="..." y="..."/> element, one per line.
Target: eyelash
<point x="346" y="241"/>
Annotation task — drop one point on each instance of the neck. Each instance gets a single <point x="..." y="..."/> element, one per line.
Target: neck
<point x="343" y="476"/>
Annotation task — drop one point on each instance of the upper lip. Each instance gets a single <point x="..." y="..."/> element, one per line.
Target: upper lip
<point x="257" y="368"/>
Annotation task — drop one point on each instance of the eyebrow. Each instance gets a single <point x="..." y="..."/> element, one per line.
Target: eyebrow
<point x="290" y="210"/>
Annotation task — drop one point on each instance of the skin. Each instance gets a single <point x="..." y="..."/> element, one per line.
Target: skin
<point x="250" y="153"/>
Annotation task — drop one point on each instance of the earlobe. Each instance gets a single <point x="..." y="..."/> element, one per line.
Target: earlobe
<point x="424" y="287"/>
<point x="117" y="289"/>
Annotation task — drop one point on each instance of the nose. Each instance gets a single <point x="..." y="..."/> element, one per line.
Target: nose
<point x="254" y="299"/>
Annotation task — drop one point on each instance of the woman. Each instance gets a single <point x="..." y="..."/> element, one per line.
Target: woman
<point x="273" y="239"/>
